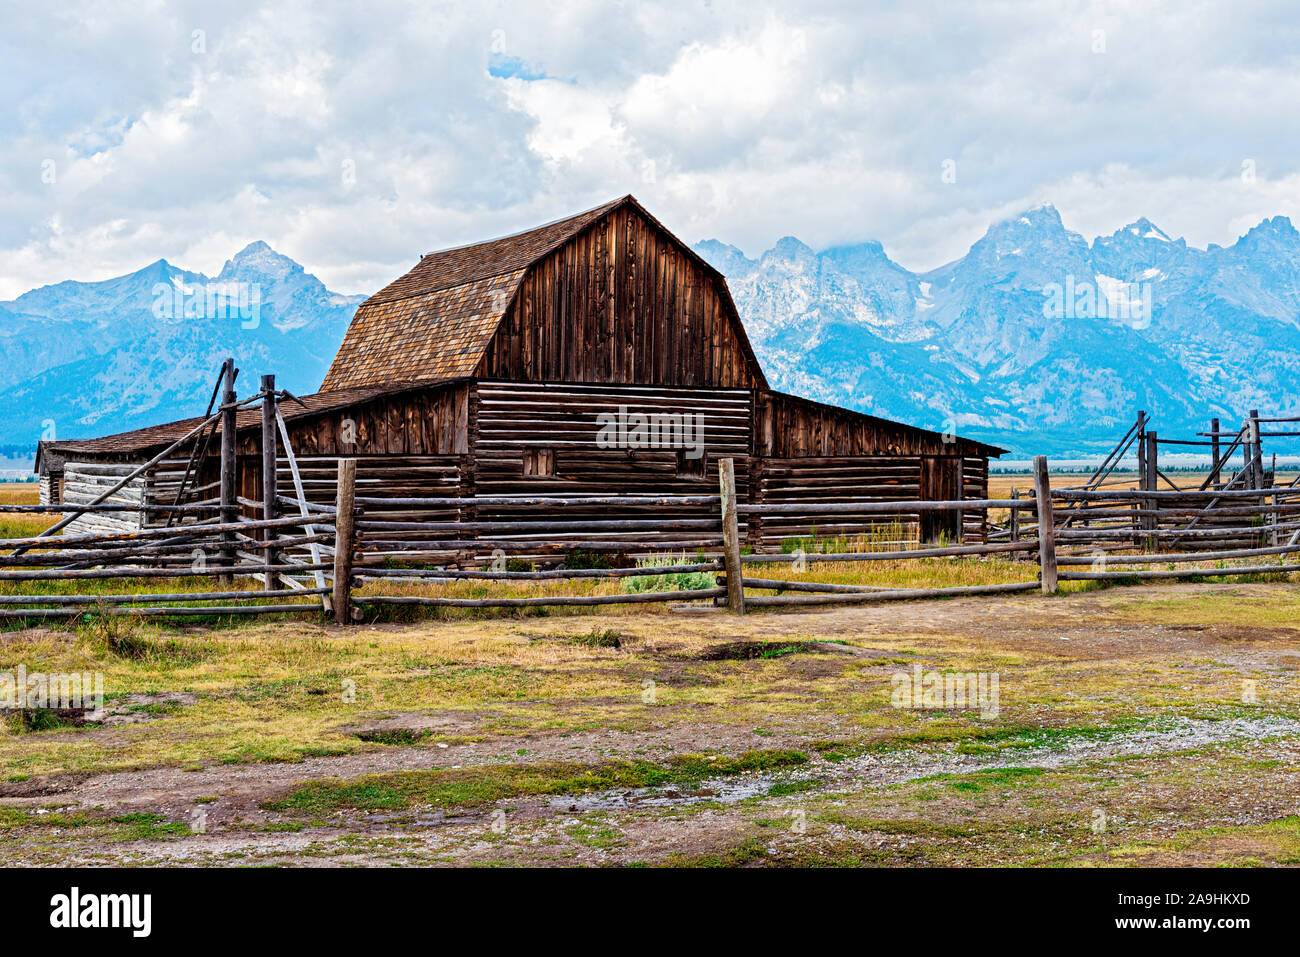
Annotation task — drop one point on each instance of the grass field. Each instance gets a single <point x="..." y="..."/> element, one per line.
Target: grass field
<point x="1001" y="483"/>
<point x="1158" y="725"/>
<point x="678" y="739"/>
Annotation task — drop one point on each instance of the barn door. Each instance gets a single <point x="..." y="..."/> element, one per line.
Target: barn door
<point x="940" y="481"/>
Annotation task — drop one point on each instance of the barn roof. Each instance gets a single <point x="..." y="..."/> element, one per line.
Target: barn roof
<point x="436" y="321"/>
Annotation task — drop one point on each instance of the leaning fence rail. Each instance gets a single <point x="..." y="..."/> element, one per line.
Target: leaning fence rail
<point x="165" y="552"/>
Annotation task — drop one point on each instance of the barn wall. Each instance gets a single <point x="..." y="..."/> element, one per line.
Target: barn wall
<point x="425" y="422"/>
<point x="503" y="438"/>
<point x="621" y="302"/>
<point x="410" y="444"/>
<point x="85" y="481"/>
<point x="51" y="488"/>
<point x="802" y="480"/>
<point x="812" y="452"/>
<point x="787" y="426"/>
<point x="381" y="476"/>
<point x="975" y="485"/>
<point x="513" y="422"/>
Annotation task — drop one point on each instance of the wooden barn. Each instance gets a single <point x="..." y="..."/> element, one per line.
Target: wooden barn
<point x="594" y="355"/>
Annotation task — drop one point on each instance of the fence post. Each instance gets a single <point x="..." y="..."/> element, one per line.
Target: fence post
<point x="1152" y="481"/>
<point x="269" y="456"/>
<point x="731" y="538"/>
<point x="1256" y="452"/>
<point x="1015" y="517"/>
<point x="344" y="501"/>
<point x="1137" y="520"/>
<point x="1142" y="449"/>
<point x="1046" y="529"/>
<point x="229" y="513"/>
<point x="1214" y="453"/>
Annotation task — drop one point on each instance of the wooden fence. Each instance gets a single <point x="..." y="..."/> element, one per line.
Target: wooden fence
<point x="201" y="547"/>
<point x="638" y="530"/>
<point x="344" y="559"/>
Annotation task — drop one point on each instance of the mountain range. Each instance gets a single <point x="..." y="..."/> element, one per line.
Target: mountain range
<point x="92" y="358"/>
<point x="1036" y="339"/>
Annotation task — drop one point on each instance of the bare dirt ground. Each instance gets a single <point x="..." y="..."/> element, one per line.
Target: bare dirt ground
<point x="1158" y="725"/>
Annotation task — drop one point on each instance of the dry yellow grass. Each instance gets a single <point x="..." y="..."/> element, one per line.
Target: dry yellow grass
<point x="1001" y="483"/>
<point x="19" y="493"/>
<point x="19" y="524"/>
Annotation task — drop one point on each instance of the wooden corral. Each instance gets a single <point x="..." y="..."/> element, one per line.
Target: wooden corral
<point x="592" y="356"/>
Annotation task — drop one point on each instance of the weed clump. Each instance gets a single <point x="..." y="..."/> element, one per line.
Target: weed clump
<point x="598" y="638"/>
<point x="672" y="581"/>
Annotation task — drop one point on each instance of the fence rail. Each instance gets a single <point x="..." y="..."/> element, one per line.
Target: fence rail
<point x="355" y="555"/>
<point x="193" y="550"/>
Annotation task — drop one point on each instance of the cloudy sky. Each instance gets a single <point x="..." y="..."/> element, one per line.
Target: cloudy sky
<point x="355" y="136"/>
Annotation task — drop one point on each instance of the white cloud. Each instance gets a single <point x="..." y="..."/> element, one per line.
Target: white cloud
<point x="829" y="120"/>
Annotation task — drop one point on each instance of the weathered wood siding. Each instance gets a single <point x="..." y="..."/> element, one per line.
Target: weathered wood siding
<point x="975" y="485"/>
<point x="382" y="476"/>
<point x="83" y="482"/>
<point x="788" y="427"/>
<point x="430" y="421"/>
<point x="408" y="445"/>
<point x="622" y="302"/>
<point x="511" y="419"/>
<point x="811" y="452"/>
<point x="51" y="488"/>
<point x="803" y="480"/>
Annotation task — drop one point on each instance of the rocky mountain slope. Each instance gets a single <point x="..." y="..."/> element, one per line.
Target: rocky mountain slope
<point x="1035" y="339"/>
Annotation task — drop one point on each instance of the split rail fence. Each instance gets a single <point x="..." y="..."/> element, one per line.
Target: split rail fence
<point x="202" y="548"/>
<point x="365" y="552"/>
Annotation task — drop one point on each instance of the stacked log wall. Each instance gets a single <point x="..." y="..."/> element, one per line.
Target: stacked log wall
<point x="512" y="420"/>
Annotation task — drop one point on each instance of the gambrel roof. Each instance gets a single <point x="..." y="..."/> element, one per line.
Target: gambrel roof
<point x="436" y="321"/>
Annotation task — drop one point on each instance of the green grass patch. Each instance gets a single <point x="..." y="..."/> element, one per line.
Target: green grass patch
<point x="473" y="787"/>
<point x="978" y="782"/>
<point x="597" y="638"/>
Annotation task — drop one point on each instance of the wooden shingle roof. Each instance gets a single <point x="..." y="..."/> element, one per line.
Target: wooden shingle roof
<point x="435" y="321"/>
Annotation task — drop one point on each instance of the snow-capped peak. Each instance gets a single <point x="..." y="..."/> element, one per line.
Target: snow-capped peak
<point x="259" y="260"/>
<point x="1145" y="229"/>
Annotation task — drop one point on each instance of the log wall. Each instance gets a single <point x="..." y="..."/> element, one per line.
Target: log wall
<point x="83" y="482"/>
<point x="512" y="422"/>
<point x="51" y="488"/>
<point x="499" y="438"/>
